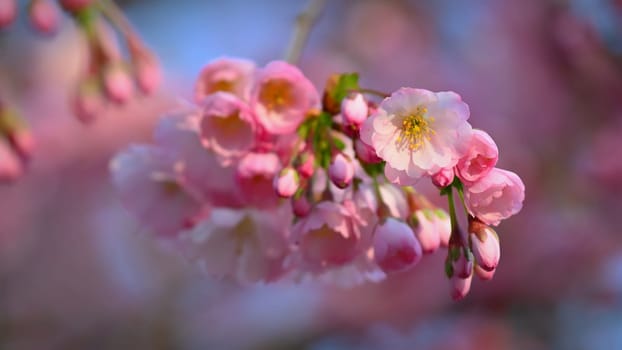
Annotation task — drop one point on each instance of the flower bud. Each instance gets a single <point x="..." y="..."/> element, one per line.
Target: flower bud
<point x="395" y="246"/>
<point x="307" y="165"/>
<point x="301" y="206"/>
<point x="484" y="244"/>
<point x="43" y="16"/>
<point x="118" y="83"/>
<point x="22" y="142"/>
<point x="341" y="171"/>
<point x="460" y="287"/>
<point x="10" y="166"/>
<point x="443" y="178"/>
<point x="8" y="12"/>
<point x="483" y="274"/>
<point x="365" y="153"/>
<point x="147" y="72"/>
<point x="74" y="5"/>
<point x="463" y="266"/>
<point x="354" y="109"/>
<point x="443" y="225"/>
<point x="88" y="100"/>
<point x="424" y="226"/>
<point x="286" y="183"/>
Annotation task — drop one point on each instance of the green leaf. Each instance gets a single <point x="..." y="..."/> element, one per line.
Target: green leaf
<point x="339" y="144"/>
<point x="346" y="83"/>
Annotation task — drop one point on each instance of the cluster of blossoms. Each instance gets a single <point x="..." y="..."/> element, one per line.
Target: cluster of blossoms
<point x="263" y="178"/>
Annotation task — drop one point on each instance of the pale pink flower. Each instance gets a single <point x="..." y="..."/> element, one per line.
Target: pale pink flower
<point x="395" y="200"/>
<point x="243" y="245"/>
<point x="179" y="134"/>
<point x="151" y="188"/>
<point x="424" y="225"/>
<point x="480" y="158"/>
<point x="418" y="132"/>
<point x="327" y="237"/>
<point x="395" y="246"/>
<point x="287" y="182"/>
<point x="341" y="171"/>
<point x="231" y="75"/>
<point x="496" y="196"/>
<point x="354" y="109"/>
<point x="227" y="126"/>
<point x="255" y="177"/>
<point x="281" y="97"/>
<point x="443" y="178"/>
<point x="460" y="287"/>
<point x="486" y="249"/>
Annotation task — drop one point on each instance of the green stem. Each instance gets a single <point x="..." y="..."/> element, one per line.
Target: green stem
<point x="461" y="194"/>
<point x="452" y="210"/>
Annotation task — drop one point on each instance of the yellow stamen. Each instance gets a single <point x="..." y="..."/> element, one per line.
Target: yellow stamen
<point x="415" y="130"/>
<point x="276" y="94"/>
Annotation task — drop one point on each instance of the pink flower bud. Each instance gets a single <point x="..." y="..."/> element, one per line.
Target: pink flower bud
<point x="443" y="225"/>
<point x="8" y="12"/>
<point x="44" y="16"/>
<point x="463" y="267"/>
<point x="423" y="223"/>
<point x="443" y="178"/>
<point x="118" y="83"/>
<point x="354" y="109"/>
<point x="23" y="142"/>
<point x="301" y="206"/>
<point x="483" y="274"/>
<point x="496" y="196"/>
<point x="395" y="246"/>
<point x="88" y="101"/>
<point x="286" y="183"/>
<point x="341" y="171"/>
<point x="147" y="71"/>
<point x="10" y="166"/>
<point x="460" y="287"/>
<point x="480" y="158"/>
<point x="365" y="152"/>
<point x="74" y="5"/>
<point x="485" y="246"/>
<point x="307" y="165"/>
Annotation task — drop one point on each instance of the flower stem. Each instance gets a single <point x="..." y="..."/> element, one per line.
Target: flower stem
<point x="304" y="22"/>
<point x="452" y="210"/>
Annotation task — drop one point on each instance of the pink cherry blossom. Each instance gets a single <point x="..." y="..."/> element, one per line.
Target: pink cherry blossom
<point x="418" y="132"/>
<point x="354" y="109"/>
<point x="496" y="196"/>
<point x="486" y="249"/>
<point x="286" y="183"/>
<point x="281" y="97"/>
<point x="227" y="125"/>
<point x="327" y="237"/>
<point x="425" y="228"/>
<point x="231" y="75"/>
<point x="244" y="245"/>
<point x="480" y="158"/>
<point x="395" y="246"/>
<point x="341" y="171"/>
<point x="255" y="176"/>
<point x="150" y="187"/>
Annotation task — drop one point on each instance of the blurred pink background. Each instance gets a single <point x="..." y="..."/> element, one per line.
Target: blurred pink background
<point x="544" y="78"/>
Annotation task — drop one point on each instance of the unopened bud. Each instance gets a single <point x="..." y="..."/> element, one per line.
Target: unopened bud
<point x="483" y="274"/>
<point x="341" y="171"/>
<point x="395" y="246"/>
<point x="74" y="5"/>
<point x="147" y="71"/>
<point x="8" y="12"/>
<point x="88" y="100"/>
<point x="460" y="287"/>
<point x="365" y="152"/>
<point x="10" y="166"/>
<point x="301" y="206"/>
<point x="306" y="166"/>
<point x="43" y="16"/>
<point x="424" y="225"/>
<point x="485" y="245"/>
<point x="443" y="178"/>
<point x="286" y="183"/>
<point x="118" y="83"/>
<point x="354" y="109"/>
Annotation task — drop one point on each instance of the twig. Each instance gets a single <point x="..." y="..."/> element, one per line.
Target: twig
<point x="113" y="13"/>
<point x="304" y="22"/>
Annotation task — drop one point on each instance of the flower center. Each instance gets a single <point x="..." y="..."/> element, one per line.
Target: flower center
<point x="415" y="130"/>
<point x="223" y="85"/>
<point x="276" y="94"/>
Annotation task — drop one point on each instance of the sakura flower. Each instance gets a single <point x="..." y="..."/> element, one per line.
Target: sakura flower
<point x="496" y="196"/>
<point x="227" y="126"/>
<point x="395" y="246"/>
<point x="231" y="75"/>
<point x="418" y="132"/>
<point x="282" y="97"/>
<point x="150" y="187"/>
<point x="327" y="237"/>
<point x="255" y="176"/>
<point x="244" y="245"/>
<point x="480" y="158"/>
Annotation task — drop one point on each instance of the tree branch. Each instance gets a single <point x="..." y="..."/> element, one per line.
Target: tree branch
<point x="304" y="22"/>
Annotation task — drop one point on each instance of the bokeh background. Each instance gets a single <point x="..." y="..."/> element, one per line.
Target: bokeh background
<point x="543" y="77"/>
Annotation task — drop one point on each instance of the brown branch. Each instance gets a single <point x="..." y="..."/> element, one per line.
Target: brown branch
<point x="304" y="22"/>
